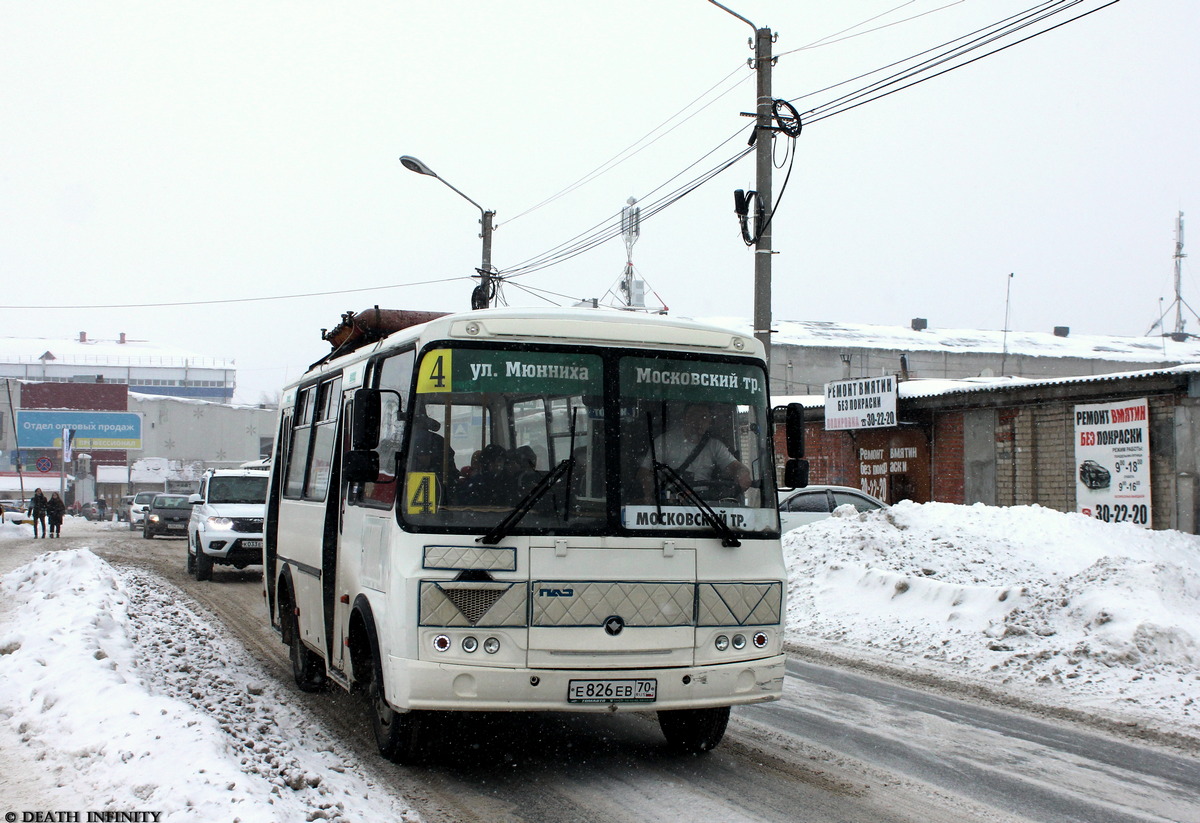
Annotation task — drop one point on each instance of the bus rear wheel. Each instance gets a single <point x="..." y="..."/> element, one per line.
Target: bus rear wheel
<point x="694" y="731"/>
<point x="307" y="668"/>
<point x="398" y="735"/>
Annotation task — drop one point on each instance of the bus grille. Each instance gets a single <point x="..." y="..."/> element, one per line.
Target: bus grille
<point x="472" y="604"/>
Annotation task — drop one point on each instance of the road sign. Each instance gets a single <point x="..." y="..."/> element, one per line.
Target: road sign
<point x="44" y="464"/>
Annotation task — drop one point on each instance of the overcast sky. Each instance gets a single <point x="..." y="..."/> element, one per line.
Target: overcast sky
<point x="186" y="152"/>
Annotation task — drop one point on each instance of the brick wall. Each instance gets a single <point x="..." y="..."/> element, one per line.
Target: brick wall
<point x="946" y="458"/>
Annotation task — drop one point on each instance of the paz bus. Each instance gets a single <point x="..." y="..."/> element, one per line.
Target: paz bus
<point x="529" y="510"/>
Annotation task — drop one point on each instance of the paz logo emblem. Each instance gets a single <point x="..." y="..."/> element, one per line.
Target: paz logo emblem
<point x="614" y="624"/>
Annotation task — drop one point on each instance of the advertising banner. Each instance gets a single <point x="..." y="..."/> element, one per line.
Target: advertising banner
<point x="93" y="429"/>
<point x="1112" y="462"/>
<point x="863" y="403"/>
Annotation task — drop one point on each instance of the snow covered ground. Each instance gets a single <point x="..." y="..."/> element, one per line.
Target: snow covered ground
<point x="129" y="701"/>
<point x="1054" y="608"/>
<point x="125" y="699"/>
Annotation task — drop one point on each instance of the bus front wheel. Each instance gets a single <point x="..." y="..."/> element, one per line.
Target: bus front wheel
<point x="694" y="731"/>
<point x="398" y="734"/>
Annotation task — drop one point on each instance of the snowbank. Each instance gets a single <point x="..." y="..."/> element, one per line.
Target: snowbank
<point x="136" y="703"/>
<point x="1071" y="611"/>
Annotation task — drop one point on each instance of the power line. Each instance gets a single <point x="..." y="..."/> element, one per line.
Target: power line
<point x="637" y="146"/>
<point x="829" y="41"/>
<point x="922" y="71"/>
<point x="243" y="299"/>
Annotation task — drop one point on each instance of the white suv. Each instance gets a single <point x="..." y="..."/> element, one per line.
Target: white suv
<point x="227" y="521"/>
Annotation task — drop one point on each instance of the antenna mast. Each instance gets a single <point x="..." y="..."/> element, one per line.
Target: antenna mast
<point x="633" y="290"/>
<point x="1178" y="335"/>
<point x="1179" y="255"/>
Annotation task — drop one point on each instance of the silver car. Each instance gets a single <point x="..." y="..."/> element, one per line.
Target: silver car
<point x="799" y="507"/>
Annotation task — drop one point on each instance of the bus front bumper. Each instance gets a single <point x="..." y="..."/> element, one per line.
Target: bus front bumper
<point x="425" y="685"/>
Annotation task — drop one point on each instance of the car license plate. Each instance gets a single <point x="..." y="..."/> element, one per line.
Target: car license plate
<point x="612" y="691"/>
<point x="177" y="525"/>
<point x="251" y="544"/>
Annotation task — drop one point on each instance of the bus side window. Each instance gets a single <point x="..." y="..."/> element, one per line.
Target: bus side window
<point x="394" y="374"/>
<point x="298" y="453"/>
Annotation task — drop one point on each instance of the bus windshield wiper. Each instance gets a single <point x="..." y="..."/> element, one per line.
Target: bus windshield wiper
<point x="501" y="529"/>
<point x="689" y="494"/>
<point x="728" y="538"/>
<point x="565" y="467"/>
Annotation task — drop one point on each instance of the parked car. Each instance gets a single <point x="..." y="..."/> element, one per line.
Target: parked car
<point x="226" y="526"/>
<point x="799" y="507"/>
<point x="167" y="514"/>
<point x="15" y="512"/>
<point x="91" y="511"/>
<point x="137" y="509"/>
<point x="121" y="510"/>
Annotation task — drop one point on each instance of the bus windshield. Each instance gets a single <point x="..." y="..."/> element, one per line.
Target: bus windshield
<point x="493" y="430"/>
<point x="556" y="441"/>
<point x="693" y="436"/>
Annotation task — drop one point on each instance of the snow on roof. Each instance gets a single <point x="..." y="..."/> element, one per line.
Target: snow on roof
<point x="70" y="351"/>
<point x="936" y="387"/>
<point x="827" y="334"/>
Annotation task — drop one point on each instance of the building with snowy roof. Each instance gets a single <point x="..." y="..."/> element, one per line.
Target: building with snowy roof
<point x="143" y="366"/>
<point x="1121" y="447"/>
<point x="807" y="354"/>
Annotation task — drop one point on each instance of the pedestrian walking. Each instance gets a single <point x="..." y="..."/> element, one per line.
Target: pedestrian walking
<point x="37" y="510"/>
<point x="55" y="509"/>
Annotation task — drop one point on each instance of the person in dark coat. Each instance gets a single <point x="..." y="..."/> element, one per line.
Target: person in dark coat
<point x="55" y="509"/>
<point x="37" y="510"/>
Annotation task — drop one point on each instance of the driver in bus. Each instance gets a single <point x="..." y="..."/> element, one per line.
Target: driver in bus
<point x="691" y="449"/>
<point x="430" y="452"/>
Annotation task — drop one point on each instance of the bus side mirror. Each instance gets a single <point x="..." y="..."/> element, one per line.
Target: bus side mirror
<point x="794" y="430"/>
<point x="360" y="465"/>
<point x="795" y="473"/>
<point x="368" y="410"/>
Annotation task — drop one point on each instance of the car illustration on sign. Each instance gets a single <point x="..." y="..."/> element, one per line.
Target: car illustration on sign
<point x="1093" y="475"/>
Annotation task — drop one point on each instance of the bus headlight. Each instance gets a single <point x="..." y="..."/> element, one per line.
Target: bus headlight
<point x="739" y="641"/>
<point x="760" y="640"/>
<point x="491" y="645"/>
<point x="469" y="644"/>
<point x="441" y="643"/>
<point x="722" y="643"/>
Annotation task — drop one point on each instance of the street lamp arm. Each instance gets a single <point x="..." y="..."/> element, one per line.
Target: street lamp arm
<point x="482" y="210"/>
<point x="734" y="13"/>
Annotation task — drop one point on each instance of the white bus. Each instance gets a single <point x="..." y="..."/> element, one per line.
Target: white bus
<point x="530" y="510"/>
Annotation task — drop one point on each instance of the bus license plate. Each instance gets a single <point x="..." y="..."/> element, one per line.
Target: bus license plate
<point x="251" y="544"/>
<point x="612" y="691"/>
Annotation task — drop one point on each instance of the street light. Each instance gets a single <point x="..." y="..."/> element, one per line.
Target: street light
<point x="481" y="298"/>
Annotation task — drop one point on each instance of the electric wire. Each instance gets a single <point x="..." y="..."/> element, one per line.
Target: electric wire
<point x="611" y="227"/>
<point x="829" y="41"/>
<point x="637" y="146"/>
<point x="981" y="37"/>
<point x="925" y="70"/>
<point x="244" y="299"/>
<point x="919" y="80"/>
<point x="606" y="225"/>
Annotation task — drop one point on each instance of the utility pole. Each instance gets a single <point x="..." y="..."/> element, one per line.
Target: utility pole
<point x="762" y="63"/>
<point x="763" y="167"/>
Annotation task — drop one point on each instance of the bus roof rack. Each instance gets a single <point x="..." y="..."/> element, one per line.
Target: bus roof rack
<point x="358" y="329"/>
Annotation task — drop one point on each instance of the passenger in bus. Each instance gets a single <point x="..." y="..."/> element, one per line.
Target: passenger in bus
<point x="490" y="482"/>
<point x="690" y="448"/>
